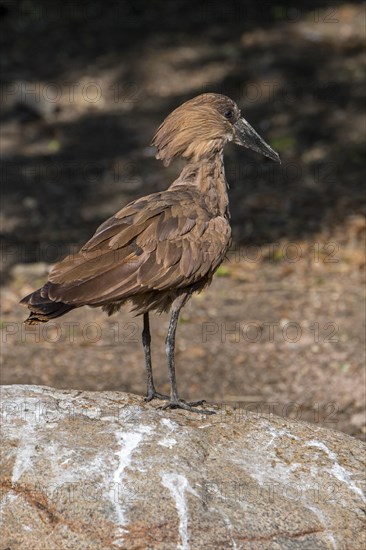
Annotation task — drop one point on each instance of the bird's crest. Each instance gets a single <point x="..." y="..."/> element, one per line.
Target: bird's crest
<point x="196" y="129"/>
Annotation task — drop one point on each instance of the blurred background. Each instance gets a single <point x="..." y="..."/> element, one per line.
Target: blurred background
<point x="84" y="86"/>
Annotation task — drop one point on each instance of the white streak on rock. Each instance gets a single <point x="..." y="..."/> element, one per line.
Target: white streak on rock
<point x="277" y="432"/>
<point x="168" y="442"/>
<point x="337" y="470"/>
<point x="325" y="523"/>
<point x="25" y="451"/>
<point x="178" y="485"/>
<point x="229" y="528"/>
<point x="128" y="441"/>
<point x="208" y="425"/>
<point x="268" y="471"/>
<point x="169" y="424"/>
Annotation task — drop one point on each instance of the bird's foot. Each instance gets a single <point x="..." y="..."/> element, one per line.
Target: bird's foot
<point x="181" y="404"/>
<point x="152" y="394"/>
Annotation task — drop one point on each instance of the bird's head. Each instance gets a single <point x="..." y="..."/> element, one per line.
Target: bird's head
<point x="202" y="126"/>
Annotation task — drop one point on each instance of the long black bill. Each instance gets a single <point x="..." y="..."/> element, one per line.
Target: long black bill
<point x="246" y="135"/>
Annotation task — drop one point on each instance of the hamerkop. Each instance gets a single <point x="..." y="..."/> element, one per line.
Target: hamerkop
<point x="160" y="248"/>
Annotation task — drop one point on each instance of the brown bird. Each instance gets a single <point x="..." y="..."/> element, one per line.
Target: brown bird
<point x="160" y="248"/>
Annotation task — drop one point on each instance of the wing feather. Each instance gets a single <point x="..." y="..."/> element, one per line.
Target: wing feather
<point x="170" y="242"/>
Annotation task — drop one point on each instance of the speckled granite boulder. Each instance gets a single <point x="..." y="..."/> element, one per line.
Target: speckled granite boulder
<point x="106" y="470"/>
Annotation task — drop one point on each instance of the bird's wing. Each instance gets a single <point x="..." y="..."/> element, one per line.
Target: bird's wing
<point x="167" y="240"/>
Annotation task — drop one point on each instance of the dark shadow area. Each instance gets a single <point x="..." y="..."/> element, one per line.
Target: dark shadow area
<point x="71" y="160"/>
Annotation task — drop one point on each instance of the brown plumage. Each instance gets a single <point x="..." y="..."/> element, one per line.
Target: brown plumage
<point x="160" y="248"/>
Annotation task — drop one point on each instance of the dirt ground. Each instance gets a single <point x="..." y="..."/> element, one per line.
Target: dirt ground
<point x="282" y="328"/>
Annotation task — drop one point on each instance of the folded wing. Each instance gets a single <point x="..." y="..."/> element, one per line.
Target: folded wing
<point x="170" y="242"/>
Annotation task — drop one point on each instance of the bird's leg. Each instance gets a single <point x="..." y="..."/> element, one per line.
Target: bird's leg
<point x="146" y="341"/>
<point x="175" y="402"/>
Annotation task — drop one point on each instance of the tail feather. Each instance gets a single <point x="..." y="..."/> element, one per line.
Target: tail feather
<point x="42" y="309"/>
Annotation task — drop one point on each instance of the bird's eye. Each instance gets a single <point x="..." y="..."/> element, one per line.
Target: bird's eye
<point x="229" y="114"/>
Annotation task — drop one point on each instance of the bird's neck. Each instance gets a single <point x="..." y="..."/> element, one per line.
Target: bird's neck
<point x="208" y="175"/>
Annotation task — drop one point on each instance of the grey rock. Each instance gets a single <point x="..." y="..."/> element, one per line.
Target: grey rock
<point x="103" y="470"/>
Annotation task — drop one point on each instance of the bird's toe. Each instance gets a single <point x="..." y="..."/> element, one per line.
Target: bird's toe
<point x="155" y="395"/>
<point x="181" y="404"/>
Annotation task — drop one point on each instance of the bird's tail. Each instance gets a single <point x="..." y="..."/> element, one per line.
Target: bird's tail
<point x="42" y="308"/>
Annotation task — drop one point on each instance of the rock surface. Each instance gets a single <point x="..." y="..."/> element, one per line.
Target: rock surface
<point x="90" y="470"/>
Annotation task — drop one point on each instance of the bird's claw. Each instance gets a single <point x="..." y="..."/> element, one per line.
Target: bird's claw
<point x="155" y="395"/>
<point x="181" y="404"/>
<point x="195" y="403"/>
